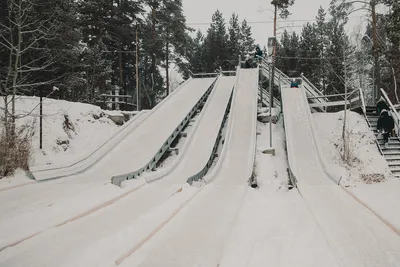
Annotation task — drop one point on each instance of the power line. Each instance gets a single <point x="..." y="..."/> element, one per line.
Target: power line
<point x="265" y="22"/>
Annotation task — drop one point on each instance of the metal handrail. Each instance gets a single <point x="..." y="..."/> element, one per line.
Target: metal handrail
<point x="312" y="85"/>
<point x="264" y="92"/>
<point x="364" y="109"/>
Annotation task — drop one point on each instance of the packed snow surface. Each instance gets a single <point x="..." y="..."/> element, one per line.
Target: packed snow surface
<point x="381" y="196"/>
<point x="356" y="236"/>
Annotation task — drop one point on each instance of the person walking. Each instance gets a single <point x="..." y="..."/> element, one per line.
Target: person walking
<point x="381" y="105"/>
<point x="385" y="125"/>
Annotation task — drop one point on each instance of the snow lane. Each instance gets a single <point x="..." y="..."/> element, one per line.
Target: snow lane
<point x="299" y="139"/>
<point x="143" y="144"/>
<point x="200" y="148"/>
<point x="135" y="216"/>
<point x="357" y="237"/>
<point x="276" y="230"/>
<point x="196" y="236"/>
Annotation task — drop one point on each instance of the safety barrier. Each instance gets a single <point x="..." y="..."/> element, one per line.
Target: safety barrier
<point x="117" y="180"/>
<point x="204" y="171"/>
<point x="264" y="95"/>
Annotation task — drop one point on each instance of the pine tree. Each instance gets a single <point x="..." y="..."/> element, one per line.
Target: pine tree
<point x="234" y="40"/>
<point x="309" y="53"/>
<point x="321" y="28"/>
<point x="216" y="44"/>
<point x="246" y="39"/>
<point x="173" y="31"/>
<point x="392" y="55"/>
<point x="196" y="59"/>
<point x="339" y="44"/>
<point x="282" y="6"/>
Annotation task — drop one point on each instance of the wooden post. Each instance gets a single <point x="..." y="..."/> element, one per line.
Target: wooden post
<point x="137" y="68"/>
<point x="41" y="119"/>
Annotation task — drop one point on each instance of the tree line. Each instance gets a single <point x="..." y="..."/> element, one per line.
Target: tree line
<point x="221" y="46"/>
<point x="330" y="57"/>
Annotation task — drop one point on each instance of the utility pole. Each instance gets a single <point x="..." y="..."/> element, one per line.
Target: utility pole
<point x="167" y="65"/>
<point x="137" y="67"/>
<point x="344" y="134"/>
<point x="41" y="118"/>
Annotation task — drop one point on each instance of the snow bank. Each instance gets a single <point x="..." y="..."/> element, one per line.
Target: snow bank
<point x="70" y="130"/>
<point x="365" y="160"/>
<point x="271" y="171"/>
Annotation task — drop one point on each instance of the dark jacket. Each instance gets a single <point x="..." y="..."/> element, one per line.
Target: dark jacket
<point x="385" y="122"/>
<point x="381" y="105"/>
<point x="258" y="54"/>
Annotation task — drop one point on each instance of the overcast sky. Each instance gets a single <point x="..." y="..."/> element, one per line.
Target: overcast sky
<point x="200" y="11"/>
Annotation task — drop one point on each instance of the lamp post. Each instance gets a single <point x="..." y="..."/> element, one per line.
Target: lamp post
<point x="271" y="47"/>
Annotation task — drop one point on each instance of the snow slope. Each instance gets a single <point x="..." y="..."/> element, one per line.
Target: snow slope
<point x="47" y="204"/>
<point x="365" y="158"/>
<point x="382" y="198"/>
<point x="137" y="214"/>
<point x="356" y="236"/>
<point x="274" y="227"/>
<point x="90" y="128"/>
<point x="196" y="236"/>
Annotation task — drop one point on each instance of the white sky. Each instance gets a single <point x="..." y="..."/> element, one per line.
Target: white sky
<point x="200" y="11"/>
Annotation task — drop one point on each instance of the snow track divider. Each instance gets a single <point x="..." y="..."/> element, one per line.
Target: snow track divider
<point x="80" y="166"/>
<point x="183" y="151"/>
<point x="206" y="168"/>
<point x="118" y="179"/>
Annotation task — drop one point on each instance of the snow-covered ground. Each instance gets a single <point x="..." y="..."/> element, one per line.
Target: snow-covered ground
<point x="365" y="162"/>
<point x="271" y="171"/>
<point x="70" y="130"/>
<point x="227" y="223"/>
<point x="274" y="226"/>
<point x="368" y="177"/>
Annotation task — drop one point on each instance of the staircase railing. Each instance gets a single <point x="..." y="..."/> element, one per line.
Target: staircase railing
<point x="265" y="96"/>
<point x="364" y="108"/>
<point x="286" y="80"/>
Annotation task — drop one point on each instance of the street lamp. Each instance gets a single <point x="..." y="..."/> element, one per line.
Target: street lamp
<point x="271" y="51"/>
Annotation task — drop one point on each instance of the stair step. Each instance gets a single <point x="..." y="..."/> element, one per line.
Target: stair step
<point x="394" y="164"/>
<point x="392" y="158"/>
<point x="395" y="170"/>
<point x="390" y="147"/>
<point x="391" y="152"/>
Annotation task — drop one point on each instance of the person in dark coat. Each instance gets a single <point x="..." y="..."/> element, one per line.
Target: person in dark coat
<point x="385" y="125"/>
<point x="258" y="55"/>
<point x="381" y="105"/>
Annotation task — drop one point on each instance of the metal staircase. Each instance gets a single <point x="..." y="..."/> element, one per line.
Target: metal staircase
<point x="392" y="151"/>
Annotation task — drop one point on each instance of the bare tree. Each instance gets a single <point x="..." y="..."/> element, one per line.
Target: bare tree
<point x="23" y="37"/>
